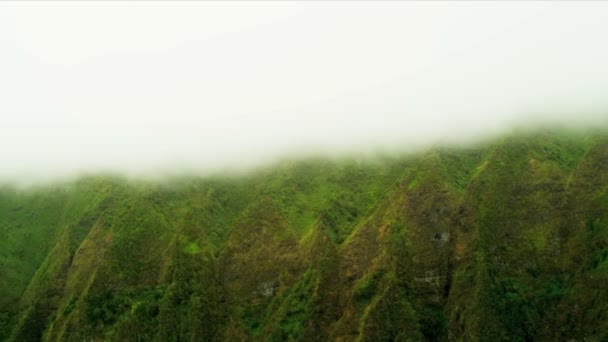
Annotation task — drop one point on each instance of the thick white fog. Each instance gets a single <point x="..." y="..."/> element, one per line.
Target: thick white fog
<point x="144" y="87"/>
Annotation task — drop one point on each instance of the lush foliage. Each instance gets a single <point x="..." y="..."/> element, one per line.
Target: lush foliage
<point x="507" y="241"/>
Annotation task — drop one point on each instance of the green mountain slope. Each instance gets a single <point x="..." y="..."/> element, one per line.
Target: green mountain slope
<point x="504" y="241"/>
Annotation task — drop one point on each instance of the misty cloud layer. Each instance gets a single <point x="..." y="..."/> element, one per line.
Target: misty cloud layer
<point x="142" y="87"/>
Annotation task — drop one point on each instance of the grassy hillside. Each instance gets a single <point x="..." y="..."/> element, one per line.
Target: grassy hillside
<point x="503" y="241"/>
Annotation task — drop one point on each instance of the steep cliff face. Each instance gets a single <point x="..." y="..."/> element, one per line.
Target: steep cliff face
<point x="506" y="241"/>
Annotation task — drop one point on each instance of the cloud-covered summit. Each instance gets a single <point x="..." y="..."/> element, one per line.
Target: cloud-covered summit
<point x="142" y="87"/>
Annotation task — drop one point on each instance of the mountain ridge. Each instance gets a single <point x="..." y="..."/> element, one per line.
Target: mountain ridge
<point x="506" y="240"/>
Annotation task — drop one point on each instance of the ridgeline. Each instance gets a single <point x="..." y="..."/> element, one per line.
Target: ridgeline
<point x="502" y="241"/>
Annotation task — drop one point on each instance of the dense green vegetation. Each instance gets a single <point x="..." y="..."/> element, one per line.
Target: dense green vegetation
<point x="503" y="241"/>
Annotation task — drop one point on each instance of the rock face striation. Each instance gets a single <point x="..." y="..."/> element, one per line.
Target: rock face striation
<point x="503" y="241"/>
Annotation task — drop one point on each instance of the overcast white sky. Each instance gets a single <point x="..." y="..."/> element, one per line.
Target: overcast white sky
<point x="145" y="86"/>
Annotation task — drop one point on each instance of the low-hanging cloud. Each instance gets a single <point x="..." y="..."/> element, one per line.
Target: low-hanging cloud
<point x="148" y="87"/>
